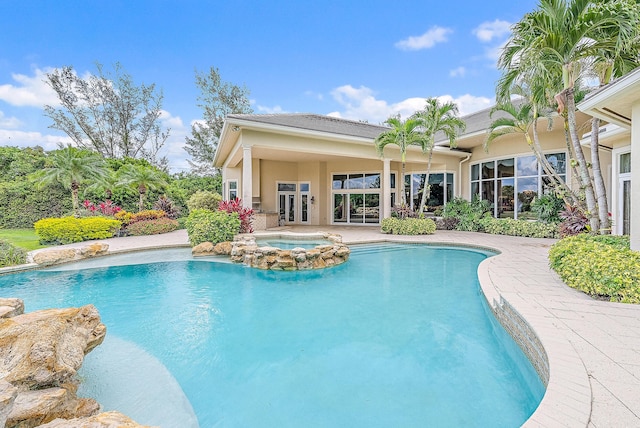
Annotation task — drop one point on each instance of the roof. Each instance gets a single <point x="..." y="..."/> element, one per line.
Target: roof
<point x="315" y="122"/>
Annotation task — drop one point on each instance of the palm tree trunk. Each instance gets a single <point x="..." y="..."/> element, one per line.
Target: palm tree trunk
<point x="74" y="197"/>
<point x="598" y="180"/>
<point x="585" y="178"/>
<point x="426" y="190"/>
<point x="403" y="195"/>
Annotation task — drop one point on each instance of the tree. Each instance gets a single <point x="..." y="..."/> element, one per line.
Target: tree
<point x="142" y="178"/>
<point x="71" y="167"/>
<point x="402" y="133"/>
<point x="109" y="114"/>
<point x="217" y="99"/>
<point x="562" y="38"/>
<point x="436" y="118"/>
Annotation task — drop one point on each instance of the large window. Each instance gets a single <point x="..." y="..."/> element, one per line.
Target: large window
<point x="356" y="197"/>
<point x="440" y="185"/>
<point x="511" y="184"/>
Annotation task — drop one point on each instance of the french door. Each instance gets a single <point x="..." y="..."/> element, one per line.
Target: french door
<point x="293" y="203"/>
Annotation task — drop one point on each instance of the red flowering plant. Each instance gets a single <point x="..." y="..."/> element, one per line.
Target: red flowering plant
<point x="245" y="214"/>
<point x="106" y="208"/>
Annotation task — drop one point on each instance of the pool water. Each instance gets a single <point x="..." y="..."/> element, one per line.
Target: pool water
<point x="288" y="244"/>
<point x="399" y="335"/>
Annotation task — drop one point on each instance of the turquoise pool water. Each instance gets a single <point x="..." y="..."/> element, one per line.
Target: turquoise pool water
<point x="399" y="336"/>
<point x="288" y="244"/>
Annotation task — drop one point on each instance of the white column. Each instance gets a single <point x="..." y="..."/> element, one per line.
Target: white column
<point x="386" y="188"/>
<point x="247" y="178"/>
<point x="635" y="176"/>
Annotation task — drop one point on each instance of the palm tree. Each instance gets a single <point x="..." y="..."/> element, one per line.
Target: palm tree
<point x="564" y="36"/>
<point x="436" y="118"/>
<point x="522" y="118"/>
<point x="71" y="167"/>
<point x="141" y="178"/>
<point x="402" y="133"/>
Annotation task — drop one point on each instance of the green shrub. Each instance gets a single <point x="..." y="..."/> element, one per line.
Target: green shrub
<point x="509" y="226"/>
<point x="67" y="230"/>
<point x="211" y="226"/>
<point x="152" y="227"/>
<point x="469" y="214"/>
<point x="547" y="208"/>
<point x="204" y="199"/>
<point x="11" y="255"/>
<point x="408" y="226"/>
<point x="602" y="267"/>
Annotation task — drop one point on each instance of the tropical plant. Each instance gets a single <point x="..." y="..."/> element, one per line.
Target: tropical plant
<point x="468" y="214"/>
<point x="244" y="214"/>
<point x="11" y="255"/>
<point x="211" y="226"/>
<point x="71" y="167"/>
<point x="436" y="117"/>
<point x="165" y="204"/>
<point x="142" y="178"/>
<point x="402" y="133"/>
<point x="547" y="208"/>
<point x="573" y="221"/>
<point x="204" y="199"/>
<point x="559" y="40"/>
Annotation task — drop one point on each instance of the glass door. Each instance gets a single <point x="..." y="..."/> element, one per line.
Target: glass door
<point x="287" y="202"/>
<point x="624" y="220"/>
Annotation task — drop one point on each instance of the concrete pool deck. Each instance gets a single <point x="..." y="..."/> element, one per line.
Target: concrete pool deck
<point x="593" y="347"/>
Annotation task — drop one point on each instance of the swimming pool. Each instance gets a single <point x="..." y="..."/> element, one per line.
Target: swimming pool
<point x="398" y="336"/>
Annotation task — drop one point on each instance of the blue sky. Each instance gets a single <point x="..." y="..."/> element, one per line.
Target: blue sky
<point x="363" y="60"/>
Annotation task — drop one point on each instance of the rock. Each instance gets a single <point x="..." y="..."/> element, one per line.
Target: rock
<point x="223" y="248"/>
<point x="10" y="307"/>
<point x="51" y="257"/>
<point x="93" y="250"/>
<point x="54" y="256"/>
<point x="33" y="408"/>
<point x="102" y="420"/>
<point x="203" y="249"/>
<point x="8" y="395"/>
<point x="46" y="348"/>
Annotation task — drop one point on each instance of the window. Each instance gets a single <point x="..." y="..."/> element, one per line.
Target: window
<point x="511" y="184"/>
<point x="356" y="197"/>
<point x="440" y="190"/>
<point x="232" y="190"/>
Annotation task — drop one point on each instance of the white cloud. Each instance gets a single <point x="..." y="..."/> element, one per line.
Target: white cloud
<point x="29" y="90"/>
<point x="169" y="121"/>
<point x="316" y="95"/>
<point x="490" y="30"/>
<point x="31" y="139"/>
<point x="9" y="122"/>
<point x="270" y="110"/>
<point x="458" y="72"/>
<point x="427" y="40"/>
<point x="361" y="104"/>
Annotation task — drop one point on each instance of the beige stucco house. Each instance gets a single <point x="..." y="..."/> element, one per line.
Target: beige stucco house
<point x="320" y="170"/>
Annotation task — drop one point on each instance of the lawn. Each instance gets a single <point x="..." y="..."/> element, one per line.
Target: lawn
<point x="24" y="238"/>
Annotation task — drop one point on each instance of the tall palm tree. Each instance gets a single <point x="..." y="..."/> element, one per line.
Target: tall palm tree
<point x="402" y="133"/>
<point x="434" y="118"/>
<point x="522" y="118"/>
<point x="563" y="36"/>
<point x="71" y="167"/>
<point x="141" y="178"/>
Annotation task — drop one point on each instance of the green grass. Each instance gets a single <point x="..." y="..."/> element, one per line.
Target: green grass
<point x="24" y="238"/>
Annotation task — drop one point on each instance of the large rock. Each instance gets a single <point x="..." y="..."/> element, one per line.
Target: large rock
<point x="102" y="420"/>
<point x="8" y="395"/>
<point x="52" y="256"/>
<point x="33" y="408"/>
<point x="46" y="348"/>
<point x="10" y="307"/>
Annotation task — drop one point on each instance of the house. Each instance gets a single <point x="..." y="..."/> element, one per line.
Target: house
<point x="619" y="104"/>
<point x="320" y="170"/>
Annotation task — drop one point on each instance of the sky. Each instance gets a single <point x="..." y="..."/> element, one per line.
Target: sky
<point x="360" y="60"/>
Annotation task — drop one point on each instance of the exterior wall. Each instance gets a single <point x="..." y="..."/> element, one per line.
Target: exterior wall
<point x="635" y="176"/>
<point x="272" y="172"/>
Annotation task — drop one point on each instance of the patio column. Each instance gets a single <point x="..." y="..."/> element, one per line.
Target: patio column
<point x="386" y="188"/>
<point x="247" y="178"/>
<point x="635" y="177"/>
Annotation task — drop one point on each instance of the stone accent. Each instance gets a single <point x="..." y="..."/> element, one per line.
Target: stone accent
<point x="208" y="249"/>
<point x="103" y="420"/>
<point x="54" y="256"/>
<point x="11" y="307"/>
<point x="40" y="353"/>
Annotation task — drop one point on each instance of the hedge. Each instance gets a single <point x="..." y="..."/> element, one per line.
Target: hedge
<point x="603" y="267"/>
<point x="67" y="230"/>
<point x="211" y="226"/>
<point x="512" y="227"/>
<point x="408" y="226"/>
<point x="152" y="227"/>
